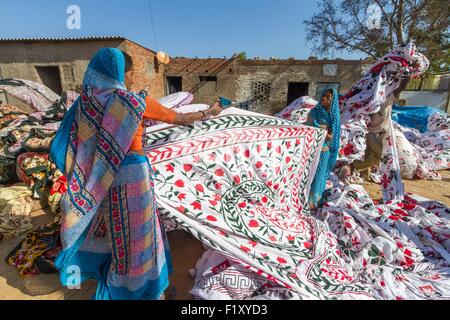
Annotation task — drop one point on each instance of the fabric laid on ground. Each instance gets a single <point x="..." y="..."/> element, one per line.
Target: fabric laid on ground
<point x="37" y="252"/>
<point x="219" y="278"/>
<point x="16" y="206"/>
<point x="36" y="95"/>
<point x="438" y="140"/>
<point x="402" y="247"/>
<point x="438" y="121"/>
<point x="400" y="250"/>
<point x="239" y="184"/>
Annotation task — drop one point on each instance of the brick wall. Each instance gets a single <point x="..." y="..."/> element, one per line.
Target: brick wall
<point x="237" y="80"/>
<point x="191" y="69"/>
<point x="18" y="59"/>
<point x="148" y="73"/>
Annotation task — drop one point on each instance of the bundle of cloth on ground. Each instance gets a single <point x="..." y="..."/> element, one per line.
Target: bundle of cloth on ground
<point x="240" y="182"/>
<point x="26" y="132"/>
<point x="243" y="195"/>
<point x="39" y="97"/>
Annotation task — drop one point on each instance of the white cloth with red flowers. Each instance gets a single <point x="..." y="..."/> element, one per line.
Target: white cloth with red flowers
<point x="401" y="250"/>
<point x="239" y="184"/>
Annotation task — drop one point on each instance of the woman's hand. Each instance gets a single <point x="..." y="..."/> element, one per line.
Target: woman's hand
<point x="189" y="118"/>
<point x="214" y="110"/>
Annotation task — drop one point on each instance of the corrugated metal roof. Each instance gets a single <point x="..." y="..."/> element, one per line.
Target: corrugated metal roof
<point x="114" y="37"/>
<point x="88" y="38"/>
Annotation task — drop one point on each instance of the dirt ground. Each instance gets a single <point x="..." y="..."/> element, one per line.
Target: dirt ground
<point x="186" y="250"/>
<point x="436" y="190"/>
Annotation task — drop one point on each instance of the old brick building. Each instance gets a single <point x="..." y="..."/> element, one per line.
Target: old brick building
<point x="272" y="84"/>
<point x="60" y="63"/>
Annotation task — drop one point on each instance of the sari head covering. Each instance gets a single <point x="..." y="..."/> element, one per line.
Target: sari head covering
<point x="105" y="122"/>
<point x="110" y="230"/>
<point x="319" y="116"/>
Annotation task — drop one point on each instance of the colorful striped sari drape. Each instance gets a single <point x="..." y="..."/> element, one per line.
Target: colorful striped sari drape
<point x="110" y="231"/>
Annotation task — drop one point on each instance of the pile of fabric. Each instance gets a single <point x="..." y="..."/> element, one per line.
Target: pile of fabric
<point x="35" y="95"/>
<point x="15" y="206"/>
<point x="26" y="132"/>
<point x="417" y="154"/>
<point x="239" y="183"/>
<point x="36" y="254"/>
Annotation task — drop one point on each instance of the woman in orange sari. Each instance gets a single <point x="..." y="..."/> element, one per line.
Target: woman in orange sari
<point x="110" y="229"/>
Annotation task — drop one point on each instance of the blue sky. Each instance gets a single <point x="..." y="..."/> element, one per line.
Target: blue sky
<point x="188" y="28"/>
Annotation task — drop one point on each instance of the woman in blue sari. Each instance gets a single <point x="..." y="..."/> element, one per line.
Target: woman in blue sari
<point x="110" y="228"/>
<point x="325" y="115"/>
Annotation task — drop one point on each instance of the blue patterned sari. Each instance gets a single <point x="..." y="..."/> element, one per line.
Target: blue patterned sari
<point x="110" y="228"/>
<point x="332" y="120"/>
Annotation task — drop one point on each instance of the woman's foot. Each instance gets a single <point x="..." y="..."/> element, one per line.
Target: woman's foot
<point x="170" y="293"/>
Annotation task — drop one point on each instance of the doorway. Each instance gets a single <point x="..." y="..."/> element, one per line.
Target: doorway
<point x="297" y="90"/>
<point x="50" y="77"/>
<point x="174" y="84"/>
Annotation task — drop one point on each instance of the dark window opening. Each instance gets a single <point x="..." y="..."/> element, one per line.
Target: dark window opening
<point x="50" y="77"/>
<point x="174" y="84"/>
<point x="207" y="78"/>
<point x="297" y="90"/>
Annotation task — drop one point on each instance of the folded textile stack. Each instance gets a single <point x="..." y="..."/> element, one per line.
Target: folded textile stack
<point x="43" y="178"/>
<point x="15" y="206"/>
<point x="26" y="133"/>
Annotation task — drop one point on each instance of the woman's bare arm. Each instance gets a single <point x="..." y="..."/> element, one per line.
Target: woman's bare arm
<point x="189" y="118"/>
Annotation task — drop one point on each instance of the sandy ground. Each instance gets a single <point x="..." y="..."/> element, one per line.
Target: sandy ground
<point x="436" y="190"/>
<point x="185" y="249"/>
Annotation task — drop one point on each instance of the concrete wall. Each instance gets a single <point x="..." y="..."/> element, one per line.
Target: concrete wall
<point x="18" y="60"/>
<point x="436" y="99"/>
